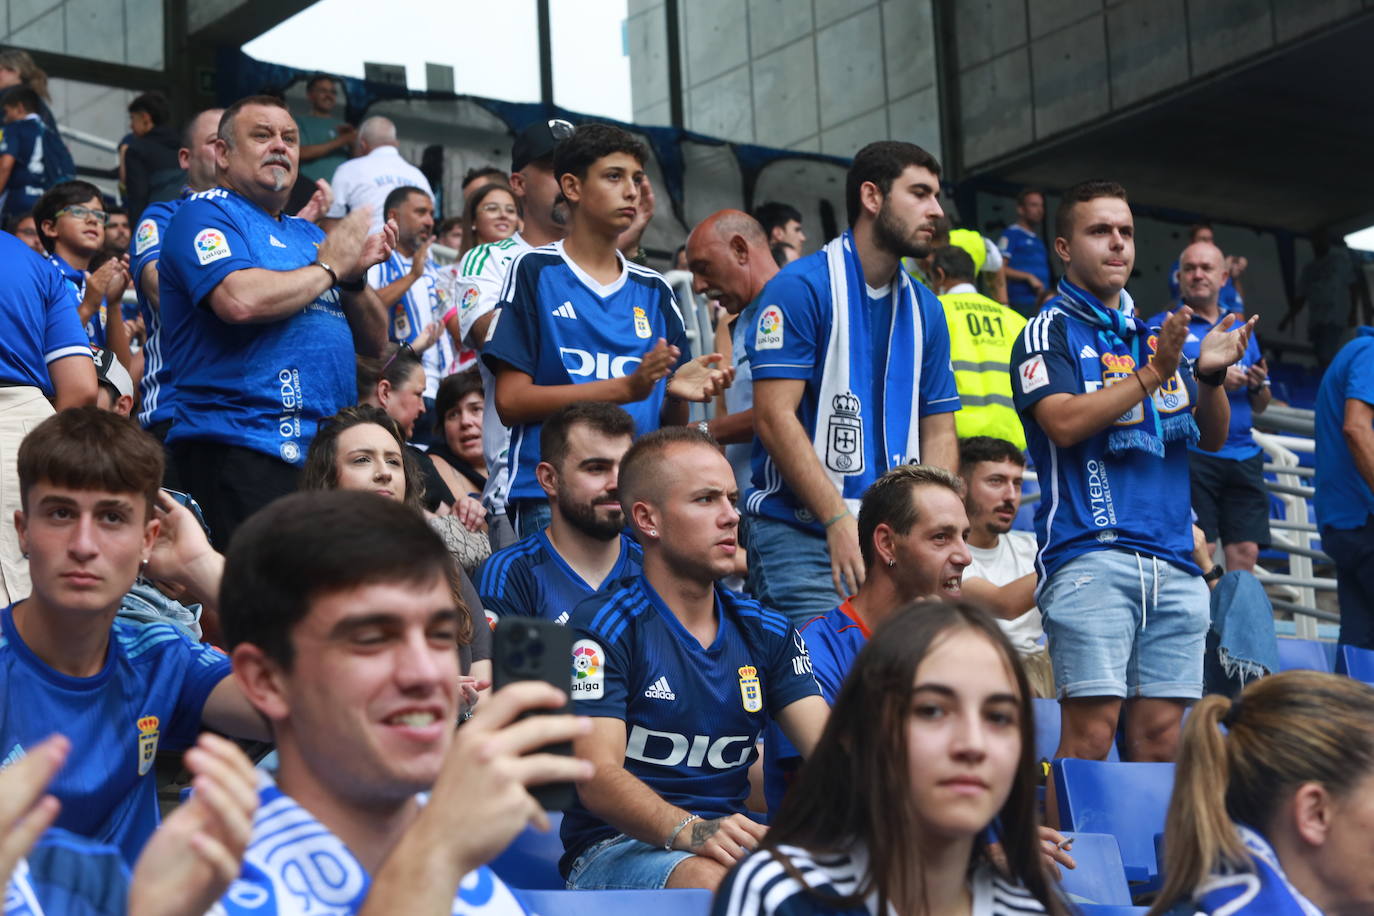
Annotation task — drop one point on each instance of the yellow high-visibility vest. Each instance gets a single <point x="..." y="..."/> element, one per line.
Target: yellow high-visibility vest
<point x="981" y="334"/>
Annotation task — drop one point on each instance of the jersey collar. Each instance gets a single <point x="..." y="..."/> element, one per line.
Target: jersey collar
<point x="847" y="609"/>
<point x="961" y="288"/>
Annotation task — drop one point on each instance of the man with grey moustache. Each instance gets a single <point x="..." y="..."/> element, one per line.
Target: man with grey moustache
<point x="262" y="313"/>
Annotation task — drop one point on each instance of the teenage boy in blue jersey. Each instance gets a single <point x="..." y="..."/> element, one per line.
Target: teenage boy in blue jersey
<point x="1227" y="486"/>
<point x="680" y="676"/>
<point x="345" y="635"/>
<point x="119" y="691"/>
<point x="851" y="377"/>
<point x="578" y="322"/>
<point x="585" y="549"/>
<point x="263" y="313"/>
<point x="158" y="386"/>
<point x="1109" y="410"/>
<point x="71" y="225"/>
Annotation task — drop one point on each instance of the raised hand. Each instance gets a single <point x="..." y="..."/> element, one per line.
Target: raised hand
<point x="26" y="810"/>
<point x="342" y="248"/>
<point x="417" y="265"/>
<point x="1224" y="344"/>
<point x="1256" y="375"/>
<point x="699" y="379"/>
<point x="628" y="241"/>
<point x="1169" y="346"/>
<point x="319" y="203"/>
<point x="377" y="248"/>
<point x="657" y="364"/>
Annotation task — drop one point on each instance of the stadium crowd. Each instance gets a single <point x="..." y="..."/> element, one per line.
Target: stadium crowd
<point x="287" y="499"/>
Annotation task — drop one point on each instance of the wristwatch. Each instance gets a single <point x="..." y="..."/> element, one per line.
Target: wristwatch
<point x="1215" y="379"/>
<point x="704" y="427"/>
<point x="1216" y="573"/>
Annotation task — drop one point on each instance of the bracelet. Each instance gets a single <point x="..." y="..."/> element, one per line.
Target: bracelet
<point x="836" y="518"/>
<point x="1215" y="379"/>
<point x="668" y="843"/>
<point x="1159" y="379"/>
<point x="1142" y="383"/>
<point x="1214" y="574"/>
<point x="329" y="270"/>
<point x="704" y="427"/>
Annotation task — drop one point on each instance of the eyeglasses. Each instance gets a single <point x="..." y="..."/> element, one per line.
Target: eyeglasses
<point x="400" y="348"/>
<point x="494" y="207"/>
<point x="560" y="129"/>
<point x="100" y="216"/>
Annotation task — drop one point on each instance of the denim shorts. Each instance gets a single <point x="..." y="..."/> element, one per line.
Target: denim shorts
<point x="789" y="569"/>
<point x="622" y="862"/>
<point x="1121" y="624"/>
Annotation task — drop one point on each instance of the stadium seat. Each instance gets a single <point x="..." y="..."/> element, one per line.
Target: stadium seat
<point x="686" y="902"/>
<point x="1100" y="876"/>
<point x="1127" y="800"/>
<point x="1047" y="717"/>
<point x="1303" y="655"/>
<point x="531" y="860"/>
<point x="1358" y="663"/>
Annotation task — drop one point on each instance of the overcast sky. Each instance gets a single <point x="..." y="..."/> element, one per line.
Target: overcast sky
<point x="494" y="54"/>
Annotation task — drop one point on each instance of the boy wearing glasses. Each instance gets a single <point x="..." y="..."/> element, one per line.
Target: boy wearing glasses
<point x="71" y="225"/>
<point x="577" y="322"/>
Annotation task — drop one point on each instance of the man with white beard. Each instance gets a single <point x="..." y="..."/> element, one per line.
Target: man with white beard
<point x="263" y="313"/>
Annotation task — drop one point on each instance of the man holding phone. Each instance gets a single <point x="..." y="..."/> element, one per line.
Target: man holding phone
<point x="656" y="663"/>
<point x="348" y="646"/>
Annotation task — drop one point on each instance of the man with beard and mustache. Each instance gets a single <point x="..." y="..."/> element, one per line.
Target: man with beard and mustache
<point x="851" y="377"/>
<point x="477" y="280"/>
<point x="584" y="550"/>
<point x="263" y="313"/>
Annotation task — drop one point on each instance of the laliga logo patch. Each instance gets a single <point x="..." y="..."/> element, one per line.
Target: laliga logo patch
<point x="749" y="689"/>
<point x="211" y="245"/>
<point x="642" y="328"/>
<point x="588" y="671"/>
<point x="147" y="743"/>
<point x="844" y="440"/>
<point x="469" y="300"/>
<point x="145" y="237"/>
<point x="769" y="333"/>
<point x="1033" y="374"/>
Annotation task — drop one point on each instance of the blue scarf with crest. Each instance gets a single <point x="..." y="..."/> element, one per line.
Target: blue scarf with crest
<point x="1262" y="891"/>
<point x="1121" y="333"/>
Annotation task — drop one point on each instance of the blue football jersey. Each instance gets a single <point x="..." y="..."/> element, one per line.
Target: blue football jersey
<point x="692" y="713"/>
<point x="263" y="386"/>
<point x="23" y="139"/>
<point x="561" y="327"/>
<point x="530" y="579"/>
<point x="1025" y="251"/>
<point x="38" y="322"/>
<point x="833" y="640"/>
<point x="149" y="695"/>
<point x="1092" y="499"/>
<point x="76" y="291"/>
<point x="295" y="867"/>
<point x="157" y="386"/>
<point x="68" y="875"/>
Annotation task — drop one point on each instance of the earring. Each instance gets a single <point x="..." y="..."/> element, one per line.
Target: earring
<point x="891" y="563"/>
<point x="653" y="532"/>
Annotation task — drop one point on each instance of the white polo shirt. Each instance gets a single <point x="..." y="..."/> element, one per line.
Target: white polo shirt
<point x="367" y="180"/>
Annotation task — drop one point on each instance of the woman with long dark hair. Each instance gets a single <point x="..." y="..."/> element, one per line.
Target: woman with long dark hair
<point x="1273" y="815"/>
<point x="929" y="741"/>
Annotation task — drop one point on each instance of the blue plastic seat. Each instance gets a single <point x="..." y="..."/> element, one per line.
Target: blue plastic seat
<point x="1358" y="663"/>
<point x="1303" y="655"/>
<point x="1047" y="724"/>
<point x="1127" y="800"/>
<point x="531" y="860"/>
<point x="1100" y="876"/>
<point x="685" y="902"/>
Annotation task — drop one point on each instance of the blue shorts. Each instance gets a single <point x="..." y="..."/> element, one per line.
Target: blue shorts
<point x="622" y="862"/>
<point x="1121" y="624"/>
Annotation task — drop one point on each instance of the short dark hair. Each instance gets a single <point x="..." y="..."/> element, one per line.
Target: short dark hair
<point x="888" y="501"/>
<point x="316" y="543"/>
<point x="773" y="215"/>
<point x="317" y="77"/>
<point x="63" y="194"/>
<point x="21" y="96"/>
<point x="882" y="163"/>
<point x="397" y="363"/>
<point x="976" y="449"/>
<point x="453" y="389"/>
<point x="645" y="457"/>
<point x="1197" y="227"/>
<point x="399" y="196"/>
<point x="116" y="211"/>
<point x="155" y="105"/>
<point x="484" y="171"/>
<point x="447" y="225"/>
<point x="1081" y="193"/>
<point x="226" y="120"/>
<point x="12" y="224"/>
<point x="955" y="262"/>
<point x="1027" y="192"/>
<point x="604" y="418"/>
<point x="591" y="142"/>
<point x="779" y="252"/>
<point x="85" y="448"/>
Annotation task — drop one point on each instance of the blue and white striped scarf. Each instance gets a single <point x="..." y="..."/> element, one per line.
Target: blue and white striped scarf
<point x="1121" y="332"/>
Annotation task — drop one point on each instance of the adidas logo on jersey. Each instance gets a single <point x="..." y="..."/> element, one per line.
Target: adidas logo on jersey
<point x="565" y="311"/>
<point x="562" y="619"/>
<point x="660" y="690"/>
<point x="1087" y="352"/>
<point x="16" y="754"/>
<point x="276" y="242"/>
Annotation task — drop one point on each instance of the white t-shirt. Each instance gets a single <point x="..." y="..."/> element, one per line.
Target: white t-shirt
<point x="1012" y="558"/>
<point x="367" y="180"/>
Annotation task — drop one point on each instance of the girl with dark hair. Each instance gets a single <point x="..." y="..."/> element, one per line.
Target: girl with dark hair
<point x="492" y="214"/>
<point x="1273" y="815"/>
<point x="929" y="741"/>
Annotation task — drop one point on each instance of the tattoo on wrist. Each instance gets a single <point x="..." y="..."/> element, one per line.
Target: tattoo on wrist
<point x="703" y="831"/>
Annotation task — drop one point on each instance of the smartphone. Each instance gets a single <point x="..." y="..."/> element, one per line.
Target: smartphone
<point x="534" y="649"/>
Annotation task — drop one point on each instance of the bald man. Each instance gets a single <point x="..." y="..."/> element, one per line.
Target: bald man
<point x="1227" y="485"/>
<point x="368" y="179"/>
<point x="729" y="257"/>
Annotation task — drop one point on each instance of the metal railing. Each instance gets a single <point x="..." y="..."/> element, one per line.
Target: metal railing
<point x="1296" y="533"/>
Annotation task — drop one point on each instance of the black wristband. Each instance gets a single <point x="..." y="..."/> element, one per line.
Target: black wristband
<point x="353" y="286"/>
<point x="1215" y="379"/>
<point x="1216" y="573"/>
